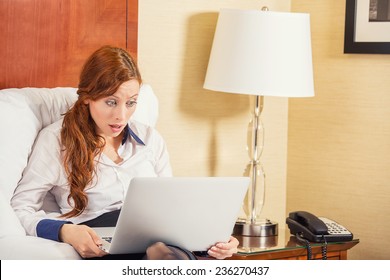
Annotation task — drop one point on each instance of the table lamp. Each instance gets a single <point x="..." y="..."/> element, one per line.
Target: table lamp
<point x="260" y="53"/>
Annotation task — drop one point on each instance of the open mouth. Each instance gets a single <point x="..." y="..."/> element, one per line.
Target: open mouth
<point x="116" y="127"/>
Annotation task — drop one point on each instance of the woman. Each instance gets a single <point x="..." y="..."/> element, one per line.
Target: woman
<point x="87" y="160"/>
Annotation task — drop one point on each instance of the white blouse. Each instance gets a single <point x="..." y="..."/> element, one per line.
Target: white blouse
<point x="45" y="175"/>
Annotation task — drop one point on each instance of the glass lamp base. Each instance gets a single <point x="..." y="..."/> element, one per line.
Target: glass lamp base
<point x="263" y="228"/>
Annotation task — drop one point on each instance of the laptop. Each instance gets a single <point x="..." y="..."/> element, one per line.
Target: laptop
<point x="190" y="212"/>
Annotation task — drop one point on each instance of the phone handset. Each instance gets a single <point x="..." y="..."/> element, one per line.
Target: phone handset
<point x="316" y="229"/>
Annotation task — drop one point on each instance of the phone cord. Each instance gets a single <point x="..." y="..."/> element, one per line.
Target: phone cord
<point x="307" y="245"/>
<point x="324" y="248"/>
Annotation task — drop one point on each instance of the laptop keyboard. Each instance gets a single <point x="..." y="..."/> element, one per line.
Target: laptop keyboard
<point x="108" y="239"/>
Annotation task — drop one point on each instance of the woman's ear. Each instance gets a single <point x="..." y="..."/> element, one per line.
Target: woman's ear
<point x="86" y="101"/>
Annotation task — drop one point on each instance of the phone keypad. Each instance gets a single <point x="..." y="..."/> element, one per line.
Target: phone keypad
<point x="334" y="228"/>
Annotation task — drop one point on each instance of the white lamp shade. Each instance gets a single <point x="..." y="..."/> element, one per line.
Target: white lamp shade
<point x="261" y="53"/>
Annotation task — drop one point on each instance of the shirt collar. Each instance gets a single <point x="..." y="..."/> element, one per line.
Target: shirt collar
<point x="128" y="134"/>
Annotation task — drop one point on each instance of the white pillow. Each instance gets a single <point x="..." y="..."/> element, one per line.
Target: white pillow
<point x="147" y="106"/>
<point x="10" y="225"/>
<point x="35" y="248"/>
<point x="23" y="113"/>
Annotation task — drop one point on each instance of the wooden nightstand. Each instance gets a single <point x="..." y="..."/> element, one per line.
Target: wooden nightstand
<point x="286" y="247"/>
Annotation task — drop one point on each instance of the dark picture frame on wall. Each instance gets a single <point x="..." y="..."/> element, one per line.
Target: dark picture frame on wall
<point x="367" y="26"/>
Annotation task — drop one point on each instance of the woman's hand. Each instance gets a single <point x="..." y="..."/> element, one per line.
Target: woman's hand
<point x="224" y="250"/>
<point x="83" y="239"/>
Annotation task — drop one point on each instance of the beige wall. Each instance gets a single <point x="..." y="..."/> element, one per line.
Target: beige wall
<point x="339" y="141"/>
<point x="206" y="131"/>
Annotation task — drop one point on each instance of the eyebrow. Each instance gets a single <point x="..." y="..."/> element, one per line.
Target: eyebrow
<point x="131" y="97"/>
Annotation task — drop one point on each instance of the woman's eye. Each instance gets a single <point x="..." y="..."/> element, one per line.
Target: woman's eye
<point x="131" y="103"/>
<point x="111" y="103"/>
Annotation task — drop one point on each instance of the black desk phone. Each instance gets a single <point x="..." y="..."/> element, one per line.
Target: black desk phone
<point x="316" y="229"/>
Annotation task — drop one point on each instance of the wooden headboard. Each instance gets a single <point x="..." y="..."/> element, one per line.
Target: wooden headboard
<point x="45" y="42"/>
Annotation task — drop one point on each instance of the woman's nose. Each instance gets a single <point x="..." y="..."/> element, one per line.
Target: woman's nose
<point x="121" y="113"/>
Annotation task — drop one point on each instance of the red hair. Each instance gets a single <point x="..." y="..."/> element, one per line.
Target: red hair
<point x="102" y="74"/>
